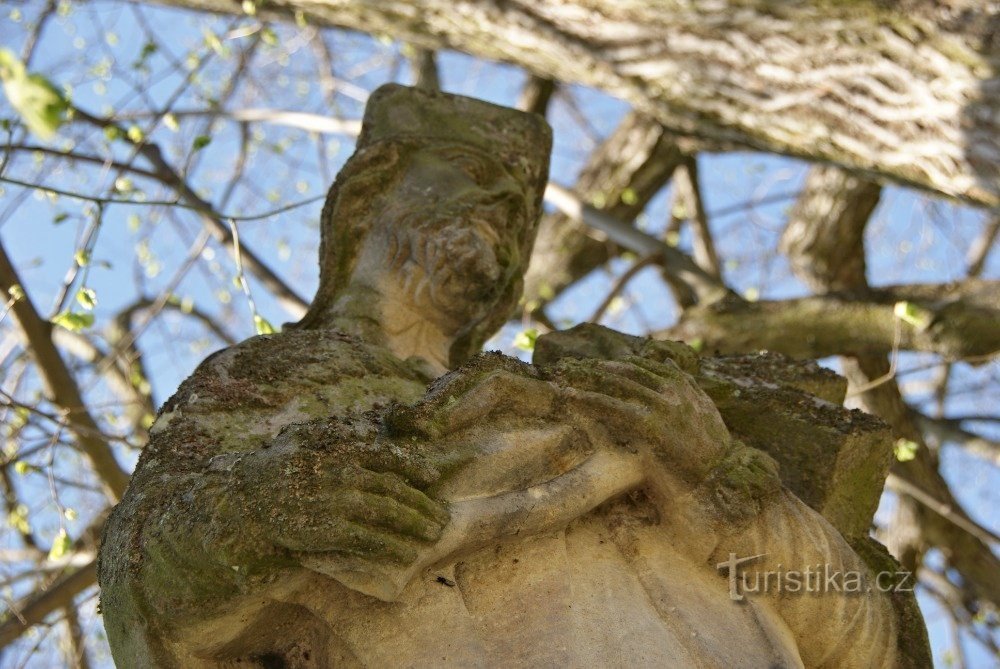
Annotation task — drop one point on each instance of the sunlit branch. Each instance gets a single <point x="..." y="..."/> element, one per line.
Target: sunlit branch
<point x="60" y="385"/>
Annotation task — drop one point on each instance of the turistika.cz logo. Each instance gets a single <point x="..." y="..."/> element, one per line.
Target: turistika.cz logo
<point x="814" y="579"/>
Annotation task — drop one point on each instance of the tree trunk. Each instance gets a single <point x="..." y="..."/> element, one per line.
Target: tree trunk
<point x="903" y="90"/>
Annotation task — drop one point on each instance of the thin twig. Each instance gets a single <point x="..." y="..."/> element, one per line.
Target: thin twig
<point x="162" y="203"/>
<point x="620" y="284"/>
<point x="946" y="511"/>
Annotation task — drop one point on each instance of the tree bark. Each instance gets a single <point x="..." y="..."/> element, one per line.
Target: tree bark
<point x="956" y="321"/>
<point x="903" y="90"/>
<point x="620" y="178"/>
<point x="824" y="240"/>
<point x="824" y="237"/>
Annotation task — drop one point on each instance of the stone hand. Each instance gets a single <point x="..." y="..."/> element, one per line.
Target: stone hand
<point x="339" y="501"/>
<point x="632" y="404"/>
<point x="611" y="373"/>
<point x="645" y="406"/>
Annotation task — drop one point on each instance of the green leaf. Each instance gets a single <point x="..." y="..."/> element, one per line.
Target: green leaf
<point x="72" y="321"/>
<point x="913" y="314"/>
<point x="905" y="450"/>
<point x="525" y="340"/>
<point x="200" y="142"/>
<point x="87" y="298"/>
<point x="18" y="519"/>
<point x="135" y="133"/>
<point x="61" y="545"/>
<point x="41" y="105"/>
<point x="148" y="49"/>
<point x="629" y="197"/>
<point x="213" y="42"/>
<point x="263" y="326"/>
<point x="16" y="292"/>
<point x="268" y="36"/>
<point x="170" y="121"/>
<point x="82" y="257"/>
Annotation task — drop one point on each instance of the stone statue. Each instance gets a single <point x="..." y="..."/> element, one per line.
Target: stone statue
<point x="333" y="496"/>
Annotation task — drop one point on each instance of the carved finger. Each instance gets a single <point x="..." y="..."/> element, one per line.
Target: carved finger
<point x="393" y="486"/>
<point x="347" y="538"/>
<point x="497" y="392"/>
<point x="500" y="393"/>
<point x="378" y="511"/>
<point x="624" y="422"/>
<point x="679" y="353"/>
<point x="621" y="380"/>
<point x="667" y="370"/>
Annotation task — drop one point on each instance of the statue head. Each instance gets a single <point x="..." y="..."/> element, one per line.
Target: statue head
<point x="436" y="210"/>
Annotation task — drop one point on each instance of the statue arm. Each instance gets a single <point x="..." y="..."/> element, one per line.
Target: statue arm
<point x="195" y="543"/>
<point x="720" y="497"/>
<point x="837" y="609"/>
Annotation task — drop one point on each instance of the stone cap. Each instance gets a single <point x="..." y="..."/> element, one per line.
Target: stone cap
<point x="520" y="140"/>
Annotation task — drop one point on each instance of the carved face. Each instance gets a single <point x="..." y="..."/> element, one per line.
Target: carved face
<point x="446" y="239"/>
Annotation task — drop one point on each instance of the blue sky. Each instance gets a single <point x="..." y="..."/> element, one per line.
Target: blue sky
<point x="93" y="50"/>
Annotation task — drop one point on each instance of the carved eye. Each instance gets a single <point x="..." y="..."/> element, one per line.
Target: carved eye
<point x="472" y="166"/>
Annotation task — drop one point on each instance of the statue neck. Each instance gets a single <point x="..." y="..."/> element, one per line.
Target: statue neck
<point x="383" y="317"/>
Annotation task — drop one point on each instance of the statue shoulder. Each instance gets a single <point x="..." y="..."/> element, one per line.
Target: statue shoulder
<point x="241" y="397"/>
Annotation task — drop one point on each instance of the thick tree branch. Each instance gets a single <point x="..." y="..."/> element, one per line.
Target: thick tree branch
<point x="823" y="238"/>
<point x="825" y="243"/>
<point x="423" y="65"/>
<point x="958" y="321"/>
<point x="39" y="605"/>
<point x="856" y="84"/>
<point x="966" y="551"/>
<point x="536" y="94"/>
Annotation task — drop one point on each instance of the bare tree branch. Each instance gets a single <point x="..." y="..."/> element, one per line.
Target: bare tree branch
<point x="622" y="175"/>
<point x="706" y="287"/>
<point x="687" y="188"/>
<point x="37" y="606"/>
<point x="940" y="430"/>
<point x="823" y="238"/>
<point x="536" y="94"/>
<point x="60" y="385"/>
<point x="980" y="250"/>
<point x="212" y="220"/>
